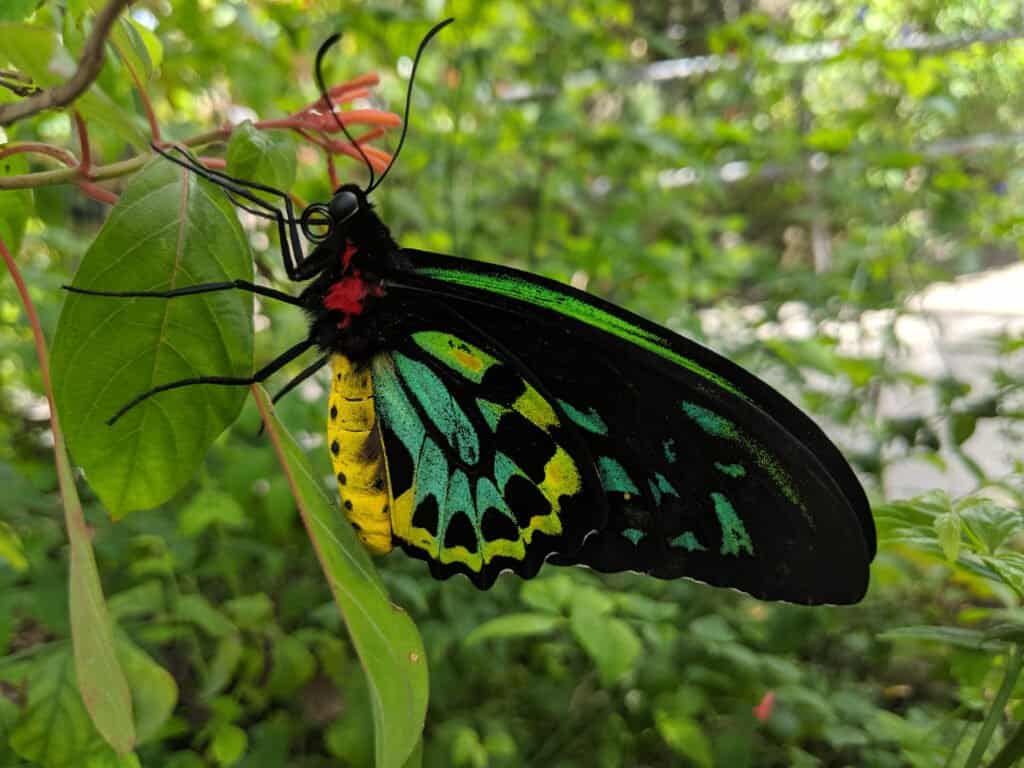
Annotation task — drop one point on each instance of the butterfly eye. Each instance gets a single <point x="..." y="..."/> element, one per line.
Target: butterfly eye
<point x="316" y="222"/>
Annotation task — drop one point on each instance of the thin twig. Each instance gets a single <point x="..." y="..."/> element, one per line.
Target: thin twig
<point x="88" y="68"/>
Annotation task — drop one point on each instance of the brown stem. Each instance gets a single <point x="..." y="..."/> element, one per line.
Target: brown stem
<point x="85" y="165"/>
<point x="88" y="68"/>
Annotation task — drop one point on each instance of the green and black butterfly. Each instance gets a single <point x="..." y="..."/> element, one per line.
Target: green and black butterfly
<point x="486" y="419"/>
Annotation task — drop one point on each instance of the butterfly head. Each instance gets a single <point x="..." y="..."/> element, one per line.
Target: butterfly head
<point x="333" y="227"/>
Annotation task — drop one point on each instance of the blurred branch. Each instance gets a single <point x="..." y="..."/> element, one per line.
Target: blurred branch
<point x="88" y="68"/>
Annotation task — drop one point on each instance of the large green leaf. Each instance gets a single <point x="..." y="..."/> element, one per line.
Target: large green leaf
<point x="261" y="156"/>
<point x="168" y="230"/>
<point x="388" y="643"/>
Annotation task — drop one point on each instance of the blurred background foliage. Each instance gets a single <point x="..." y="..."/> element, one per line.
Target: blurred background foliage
<point x="782" y="179"/>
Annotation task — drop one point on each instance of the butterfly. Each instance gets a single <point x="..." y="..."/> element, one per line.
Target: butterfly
<point x="485" y="419"/>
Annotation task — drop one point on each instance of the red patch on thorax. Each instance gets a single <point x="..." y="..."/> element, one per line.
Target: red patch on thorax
<point x="348" y="295"/>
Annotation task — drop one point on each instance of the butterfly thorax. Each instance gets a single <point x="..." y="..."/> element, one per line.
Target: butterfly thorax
<point x="342" y="300"/>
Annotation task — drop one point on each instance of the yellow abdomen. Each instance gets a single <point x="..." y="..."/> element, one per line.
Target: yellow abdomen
<point x="358" y="453"/>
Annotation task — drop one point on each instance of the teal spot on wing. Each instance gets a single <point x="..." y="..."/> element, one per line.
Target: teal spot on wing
<point x="487" y="496"/>
<point x="614" y="476"/>
<point x="734" y="533"/>
<point x="492" y="412"/>
<point x="441" y="407"/>
<point x="660" y="486"/>
<point x="732" y="470"/>
<point x="719" y="426"/>
<point x="669" y="448"/>
<point x="688" y="541"/>
<point x="590" y="421"/>
<point x="504" y="469"/>
<point x="634" y="535"/>
<point x="432" y="480"/>
<point x="394" y="407"/>
<point x="458" y="500"/>
<point x="566" y="304"/>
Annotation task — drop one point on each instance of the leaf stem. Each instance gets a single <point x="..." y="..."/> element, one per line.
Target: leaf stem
<point x="995" y="712"/>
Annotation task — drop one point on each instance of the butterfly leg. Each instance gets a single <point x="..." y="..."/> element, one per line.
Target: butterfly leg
<point x="288" y="232"/>
<point x="192" y="290"/>
<point x="299" y="378"/>
<point x="232" y="381"/>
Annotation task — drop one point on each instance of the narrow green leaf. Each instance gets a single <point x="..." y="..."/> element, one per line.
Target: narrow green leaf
<point x="514" y="625"/>
<point x="168" y="230"/>
<point x="972" y="639"/>
<point x="388" y="643"/>
<point x="222" y="669"/>
<point x="947" y="527"/>
<point x="16" y="205"/>
<point x="12" y="552"/>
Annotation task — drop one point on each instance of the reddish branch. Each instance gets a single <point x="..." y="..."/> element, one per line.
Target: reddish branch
<point x="88" y="68"/>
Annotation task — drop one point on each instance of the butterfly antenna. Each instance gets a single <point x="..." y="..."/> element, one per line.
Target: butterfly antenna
<point x="408" y="97"/>
<point x="318" y="71"/>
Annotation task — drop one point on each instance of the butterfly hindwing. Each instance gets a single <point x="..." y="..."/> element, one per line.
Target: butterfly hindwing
<point x="485" y="473"/>
<point x="705" y="471"/>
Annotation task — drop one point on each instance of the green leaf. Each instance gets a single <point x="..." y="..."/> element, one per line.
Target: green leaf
<point x="12" y="552"/>
<point x="228" y="745"/>
<point x="137" y="46"/>
<point x="684" y="736"/>
<point x="210" y="507"/>
<point x="261" y="156"/>
<point x="154" y="692"/>
<point x="947" y="527"/>
<point x="611" y="643"/>
<point x="16" y="10"/>
<point x="32" y="50"/>
<point x="222" y="669"/>
<point x="197" y="610"/>
<point x="251" y="611"/>
<point x="972" y="639"/>
<point x="992" y="525"/>
<point x="16" y="205"/>
<point x="168" y="230"/>
<point x="514" y="625"/>
<point x="54" y="729"/>
<point x="388" y="644"/>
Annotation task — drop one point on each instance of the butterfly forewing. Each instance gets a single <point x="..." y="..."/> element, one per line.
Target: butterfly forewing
<point x="698" y="476"/>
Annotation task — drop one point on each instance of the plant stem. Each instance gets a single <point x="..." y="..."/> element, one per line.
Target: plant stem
<point x="995" y="712"/>
<point x="1012" y="751"/>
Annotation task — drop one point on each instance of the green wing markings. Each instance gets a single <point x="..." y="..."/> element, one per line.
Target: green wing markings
<point x="590" y="421"/>
<point x="719" y="426"/>
<point x="732" y="470"/>
<point x="686" y="540"/>
<point x="462" y="357"/>
<point x="614" y="476"/>
<point x="634" y="535"/>
<point x="442" y="408"/>
<point x="578" y="309"/>
<point x="734" y="533"/>
<point x="660" y="487"/>
<point x="472" y="497"/>
<point x="668" y="447"/>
